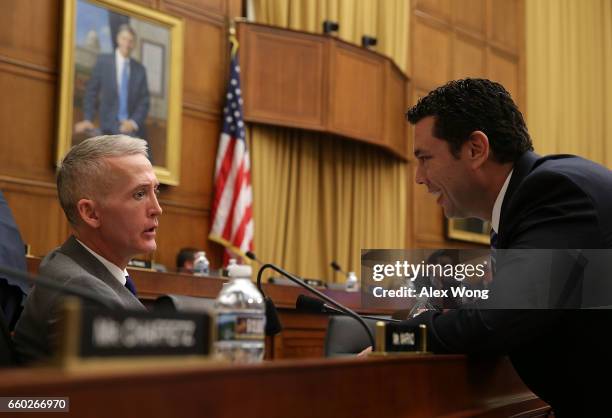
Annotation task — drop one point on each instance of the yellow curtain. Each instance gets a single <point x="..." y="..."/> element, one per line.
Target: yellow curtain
<point x="386" y="20"/>
<point x="318" y="198"/>
<point x="569" y="77"/>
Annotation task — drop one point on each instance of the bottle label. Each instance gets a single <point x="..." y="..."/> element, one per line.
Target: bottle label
<point x="240" y="327"/>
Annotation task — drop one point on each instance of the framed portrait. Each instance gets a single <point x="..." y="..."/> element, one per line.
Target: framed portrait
<point x="121" y="73"/>
<point x="470" y="230"/>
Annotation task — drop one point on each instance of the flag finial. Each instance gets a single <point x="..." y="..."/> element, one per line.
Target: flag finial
<point x="232" y="37"/>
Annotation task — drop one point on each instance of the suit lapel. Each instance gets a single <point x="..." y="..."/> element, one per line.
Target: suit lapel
<point x="93" y="266"/>
<point x="521" y="169"/>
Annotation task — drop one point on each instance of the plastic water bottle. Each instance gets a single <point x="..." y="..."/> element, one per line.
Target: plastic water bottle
<point x="201" y="266"/>
<point x="241" y="318"/>
<point x="231" y="262"/>
<point x="352" y="283"/>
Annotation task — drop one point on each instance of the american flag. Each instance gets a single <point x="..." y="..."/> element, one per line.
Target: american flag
<point x="232" y="210"/>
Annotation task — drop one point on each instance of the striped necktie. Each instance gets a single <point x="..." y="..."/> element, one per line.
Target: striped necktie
<point x="129" y="283"/>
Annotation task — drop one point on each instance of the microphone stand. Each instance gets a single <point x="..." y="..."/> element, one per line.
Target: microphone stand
<point x="311" y="289"/>
<point x="325" y="308"/>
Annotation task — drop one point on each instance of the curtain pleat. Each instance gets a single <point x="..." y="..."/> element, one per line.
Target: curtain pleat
<point x="319" y="198"/>
<point x="569" y="68"/>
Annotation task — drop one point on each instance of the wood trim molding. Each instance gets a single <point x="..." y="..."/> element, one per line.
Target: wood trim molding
<point x="14" y="181"/>
<point x="183" y="208"/>
<point x="26" y="69"/>
<point x="206" y="14"/>
<point x="201" y="110"/>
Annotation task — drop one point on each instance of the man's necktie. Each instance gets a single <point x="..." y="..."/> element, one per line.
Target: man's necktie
<point x="493" y="249"/>
<point x="123" y="93"/>
<point x="129" y="283"/>
<point x="493" y="239"/>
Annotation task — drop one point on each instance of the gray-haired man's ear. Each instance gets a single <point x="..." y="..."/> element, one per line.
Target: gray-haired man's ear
<point x="88" y="213"/>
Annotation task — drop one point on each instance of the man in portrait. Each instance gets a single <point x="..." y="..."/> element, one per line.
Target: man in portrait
<point x="117" y="91"/>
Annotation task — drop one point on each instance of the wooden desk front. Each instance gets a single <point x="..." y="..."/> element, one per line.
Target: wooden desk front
<point x="417" y="386"/>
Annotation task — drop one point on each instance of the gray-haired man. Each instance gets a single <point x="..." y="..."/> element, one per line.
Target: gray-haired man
<point x="108" y="190"/>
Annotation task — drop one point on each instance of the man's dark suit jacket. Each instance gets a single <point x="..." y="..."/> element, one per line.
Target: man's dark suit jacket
<point x="71" y="265"/>
<point x="553" y="202"/>
<point x="102" y="91"/>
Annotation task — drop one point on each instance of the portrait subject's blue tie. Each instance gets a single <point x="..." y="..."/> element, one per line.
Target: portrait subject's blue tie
<point x="129" y="283"/>
<point x="123" y="93"/>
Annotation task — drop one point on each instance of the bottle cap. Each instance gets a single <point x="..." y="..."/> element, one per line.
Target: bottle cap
<point x="238" y="270"/>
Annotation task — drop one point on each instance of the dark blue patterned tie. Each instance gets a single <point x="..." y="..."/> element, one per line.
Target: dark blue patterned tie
<point x="129" y="283"/>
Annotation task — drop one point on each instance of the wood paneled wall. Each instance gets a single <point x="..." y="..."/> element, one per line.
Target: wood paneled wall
<point x="30" y="44"/>
<point x="453" y="39"/>
<point x="449" y="39"/>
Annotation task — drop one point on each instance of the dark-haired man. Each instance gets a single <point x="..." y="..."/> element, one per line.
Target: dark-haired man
<point x="185" y="259"/>
<point x="475" y="156"/>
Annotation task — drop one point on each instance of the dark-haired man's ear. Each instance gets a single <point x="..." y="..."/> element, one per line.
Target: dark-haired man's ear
<point x="88" y="212"/>
<point x="478" y="148"/>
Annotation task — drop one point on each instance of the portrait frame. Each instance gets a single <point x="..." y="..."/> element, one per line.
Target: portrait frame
<point x="469" y="230"/>
<point x="166" y="123"/>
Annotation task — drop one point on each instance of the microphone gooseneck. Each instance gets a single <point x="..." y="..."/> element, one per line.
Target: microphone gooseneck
<point x="273" y="324"/>
<point x="321" y="295"/>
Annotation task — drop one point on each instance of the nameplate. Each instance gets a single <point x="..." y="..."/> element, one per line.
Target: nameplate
<point x="99" y="333"/>
<point x="141" y="264"/>
<point x="286" y="282"/>
<point x="396" y="337"/>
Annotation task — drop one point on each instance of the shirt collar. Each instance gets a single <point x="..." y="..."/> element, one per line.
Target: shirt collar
<point x="120" y="58"/>
<point x="112" y="268"/>
<point x="498" y="204"/>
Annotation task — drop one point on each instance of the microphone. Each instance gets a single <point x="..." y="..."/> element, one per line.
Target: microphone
<point x="44" y="282"/>
<point x="252" y="256"/>
<point x="273" y="324"/>
<point x="311" y="289"/>
<point x="308" y="304"/>
<point x="334" y="264"/>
